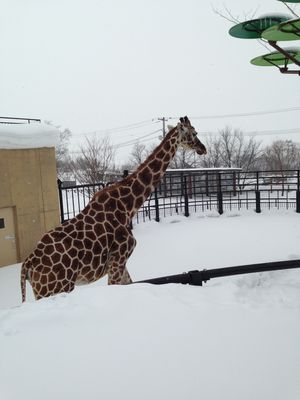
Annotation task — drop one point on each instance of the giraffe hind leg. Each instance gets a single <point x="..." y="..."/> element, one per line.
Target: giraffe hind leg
<point x="42" y="287"/>
<point x="117" y="271"/>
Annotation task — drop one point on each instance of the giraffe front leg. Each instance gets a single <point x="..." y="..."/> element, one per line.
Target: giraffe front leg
<point x="118" y="274"/>
<point x="126" y="277"/>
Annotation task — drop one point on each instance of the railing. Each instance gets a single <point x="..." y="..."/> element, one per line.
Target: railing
<point x="17" y="121"/>
<point x="191" y="192"/>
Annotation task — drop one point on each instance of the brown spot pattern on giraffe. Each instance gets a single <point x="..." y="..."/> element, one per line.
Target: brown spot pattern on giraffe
<point x="97" y="241"/>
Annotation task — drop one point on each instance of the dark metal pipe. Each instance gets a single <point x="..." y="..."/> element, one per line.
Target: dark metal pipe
<point x="198" y="277"/>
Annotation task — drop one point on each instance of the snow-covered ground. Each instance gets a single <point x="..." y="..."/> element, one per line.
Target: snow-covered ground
<point x="234" y="338"/>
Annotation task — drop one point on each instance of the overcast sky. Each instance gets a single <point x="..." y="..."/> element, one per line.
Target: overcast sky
<point x="92" y="65"/>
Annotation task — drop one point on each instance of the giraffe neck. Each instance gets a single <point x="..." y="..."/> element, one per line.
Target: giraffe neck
<point x="147" y="176"/>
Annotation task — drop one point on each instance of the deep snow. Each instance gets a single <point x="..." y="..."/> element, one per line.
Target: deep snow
<point x="234" y="338"/>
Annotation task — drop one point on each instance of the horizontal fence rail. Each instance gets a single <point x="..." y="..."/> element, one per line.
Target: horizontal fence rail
<point x="198" y="191"/>
<point x="17" y="120"/>
<point x="197" y="278"/>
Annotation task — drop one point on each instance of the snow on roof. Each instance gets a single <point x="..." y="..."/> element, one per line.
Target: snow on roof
<point x="174" y="170"/>
<point x="28" y="136"/>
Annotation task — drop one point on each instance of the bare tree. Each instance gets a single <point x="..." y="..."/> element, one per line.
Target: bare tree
<point x="231" y="149"/>
<point x="282" y="155"/>
<point x="184" y="158"/>
<point x="213" y="157"/>
<point x="237" y="151"/>
<point x="62" y="150"/>
<point x="227" y="14"/>
<point x="95" y="162"/>
<point x="138" y="154"/>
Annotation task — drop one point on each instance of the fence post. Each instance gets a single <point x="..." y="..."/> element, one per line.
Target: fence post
<point x="257" y="180"/>
<point x="234" y="183"/>
<point x="156" y="205"/>
<point x="186" y="199"/>
<point x="298" y="201"/>
<point x="298" y="192"/>
<point x="257" y="201"/>
<point x="220" y="195"/>
<point x="61" y="205"/>
<point x="206" y="184"/>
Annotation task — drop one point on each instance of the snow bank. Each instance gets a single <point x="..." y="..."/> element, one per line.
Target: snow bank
<point x="147" y="342"/>
<point x="234" y="338"/>
<point x="28" y="136"/>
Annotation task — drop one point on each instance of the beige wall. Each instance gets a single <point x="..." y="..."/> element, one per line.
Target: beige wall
<point x="28" y="183"/>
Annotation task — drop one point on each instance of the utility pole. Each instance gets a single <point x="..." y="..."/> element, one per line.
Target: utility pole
<point x="164" y="120"/>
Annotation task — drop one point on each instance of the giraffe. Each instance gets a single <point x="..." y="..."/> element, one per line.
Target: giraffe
<point x="99" y="240"/>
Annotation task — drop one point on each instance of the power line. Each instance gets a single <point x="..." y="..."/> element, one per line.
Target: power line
<point x="246" y="114"/>
<point x="137" y="141"/>
<point x="273" y="132"/>
<point x="145" y="138"/>
<point x="120" y="129"/>
<point x="258" y="133"/>
<point x="144" y="123"/>
<point x="133" y="141"/>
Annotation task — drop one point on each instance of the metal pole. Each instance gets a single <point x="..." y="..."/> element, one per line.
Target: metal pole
<point x="220" y="195"/>
<point x="186" y="199"/>
<point x="257" y="180"/>
<point x="234" y="183"/>
<point x="298" y="201"/>
<point x="156" y="205"/>
<point x="164" y="126"/>
<point x="285" y="53"/>
<point x="164" y="120"/>
<point x="61" y="204"/>
<point x="257" y="201"/>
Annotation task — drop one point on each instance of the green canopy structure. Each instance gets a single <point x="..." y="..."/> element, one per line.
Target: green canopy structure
<point x="254" y="28"/>
<point x="273" y="28"/>
<point x="276" y="58"/>
<point x="288" y="30"/>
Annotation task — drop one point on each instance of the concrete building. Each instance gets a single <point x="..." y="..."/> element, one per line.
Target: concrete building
<point x="29" y="203"/>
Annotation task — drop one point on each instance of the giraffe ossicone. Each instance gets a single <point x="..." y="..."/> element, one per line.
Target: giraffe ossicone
<point x="99" y="240"/>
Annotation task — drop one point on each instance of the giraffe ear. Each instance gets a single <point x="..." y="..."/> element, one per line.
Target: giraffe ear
<point x="180" y="128"/>
<point x="170" y="127"/>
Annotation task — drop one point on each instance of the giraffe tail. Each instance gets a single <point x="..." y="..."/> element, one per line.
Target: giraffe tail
<point x="24" y="270"/>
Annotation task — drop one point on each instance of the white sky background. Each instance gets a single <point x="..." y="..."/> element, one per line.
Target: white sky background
<point x="91" y="65"/>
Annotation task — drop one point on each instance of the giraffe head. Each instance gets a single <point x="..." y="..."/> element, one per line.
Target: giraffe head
<point x="188" y="136"/>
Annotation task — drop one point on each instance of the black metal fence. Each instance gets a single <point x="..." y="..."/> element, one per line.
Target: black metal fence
<point x="190" y="191"/>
